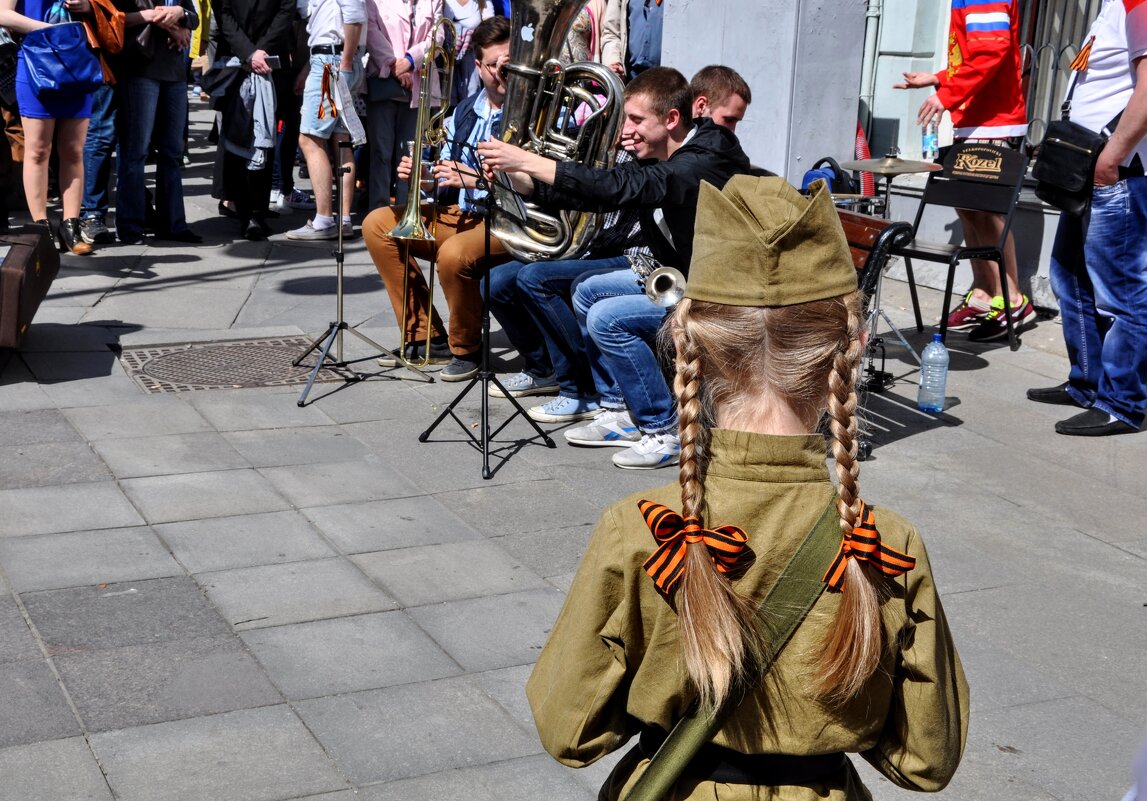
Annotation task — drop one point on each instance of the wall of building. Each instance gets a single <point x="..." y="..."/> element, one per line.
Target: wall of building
<point x="801" y="58"/>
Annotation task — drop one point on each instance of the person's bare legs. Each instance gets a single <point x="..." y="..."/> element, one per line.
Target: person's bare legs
<point x="37" y="150"/>
<point x="319" y="168"/>
<point x="70" y="146"/>
<point x="984" y="229"/>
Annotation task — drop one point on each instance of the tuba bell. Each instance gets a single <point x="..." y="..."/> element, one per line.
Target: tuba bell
<point x="543" y="97"/>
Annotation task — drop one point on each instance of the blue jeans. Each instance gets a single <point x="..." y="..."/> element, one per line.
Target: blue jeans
<point x="544" y="289"/>
<point x="145" y="103"/>
<point x="622" y="325"/>
<point x="98" y="149"/>
<point x="1099" y="273"/>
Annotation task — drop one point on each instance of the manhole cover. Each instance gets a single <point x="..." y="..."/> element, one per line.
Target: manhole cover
<point x="222" y="365"/>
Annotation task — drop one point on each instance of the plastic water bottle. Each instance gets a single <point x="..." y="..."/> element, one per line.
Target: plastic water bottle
<point x="929" y="141"/>
<point x="933" y="376"/>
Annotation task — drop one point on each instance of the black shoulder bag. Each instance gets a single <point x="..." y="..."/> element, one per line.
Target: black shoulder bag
<point x="1065" y="165"/>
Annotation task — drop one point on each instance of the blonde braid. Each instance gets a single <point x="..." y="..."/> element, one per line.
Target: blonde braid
<point x="718" y="629"/>
<point x="853" y="645"/>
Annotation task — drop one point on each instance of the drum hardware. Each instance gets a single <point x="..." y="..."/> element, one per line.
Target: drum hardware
<point x="888" y="168"/>
<point x="333" y="336"/>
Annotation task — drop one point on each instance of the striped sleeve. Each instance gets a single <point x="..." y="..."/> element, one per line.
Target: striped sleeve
<point x="1136" y="27"/>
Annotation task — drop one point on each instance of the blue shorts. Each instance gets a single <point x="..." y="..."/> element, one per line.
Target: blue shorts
<point x="313" y="95"/>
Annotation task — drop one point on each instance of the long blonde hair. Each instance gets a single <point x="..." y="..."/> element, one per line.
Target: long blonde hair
<point x="728" y="357"/>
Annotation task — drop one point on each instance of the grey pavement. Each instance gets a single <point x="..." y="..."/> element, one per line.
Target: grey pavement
<point x="219" y="595"/>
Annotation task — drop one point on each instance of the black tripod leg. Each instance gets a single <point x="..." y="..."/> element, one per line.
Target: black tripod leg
<point x="319" y="340"/>
<point x="448" y="411"/>
<point x="332" y="335"/>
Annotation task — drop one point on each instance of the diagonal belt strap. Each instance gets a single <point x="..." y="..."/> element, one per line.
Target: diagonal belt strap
<point x="785" y="606"/>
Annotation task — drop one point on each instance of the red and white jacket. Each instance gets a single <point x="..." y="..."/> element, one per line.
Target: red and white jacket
<point x="982" y="87"/>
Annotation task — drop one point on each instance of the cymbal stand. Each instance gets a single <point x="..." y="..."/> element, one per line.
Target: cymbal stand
<point x="333" y="336"/>
<point x="485" y="376"/>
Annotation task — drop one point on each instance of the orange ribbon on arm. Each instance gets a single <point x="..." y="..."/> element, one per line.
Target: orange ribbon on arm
<point x="666" y="565"/>
<point x="863" y="543"/>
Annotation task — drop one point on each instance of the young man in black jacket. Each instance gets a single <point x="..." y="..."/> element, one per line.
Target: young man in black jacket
<point x="673" y="154"/>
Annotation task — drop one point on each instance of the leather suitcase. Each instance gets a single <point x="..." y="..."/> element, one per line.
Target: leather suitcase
<point x="26" y="274"/>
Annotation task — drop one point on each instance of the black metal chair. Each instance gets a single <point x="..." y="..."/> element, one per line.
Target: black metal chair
<point x="977" y="176"/>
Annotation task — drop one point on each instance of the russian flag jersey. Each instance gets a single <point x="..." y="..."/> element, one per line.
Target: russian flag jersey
<point x="981" y="87"/>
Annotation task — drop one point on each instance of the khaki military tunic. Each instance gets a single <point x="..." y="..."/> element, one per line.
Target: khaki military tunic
<point x="613" y="660"/>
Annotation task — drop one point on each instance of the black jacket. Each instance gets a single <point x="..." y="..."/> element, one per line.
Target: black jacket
<point x="249" y="25"/>
<point x="713" y="154"/>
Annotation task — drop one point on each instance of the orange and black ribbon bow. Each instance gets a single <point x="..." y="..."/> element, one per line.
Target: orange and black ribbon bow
<point x="327" y="92"/>
<point x="863" y="542"/>
<point x="1080" y="62"/>
<point x="674" y="533"/>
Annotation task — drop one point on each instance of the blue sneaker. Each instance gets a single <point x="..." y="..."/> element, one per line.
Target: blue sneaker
<point x="523" y="384"/>
<point x="611" y="428"/>
<point x="564" y="410"/>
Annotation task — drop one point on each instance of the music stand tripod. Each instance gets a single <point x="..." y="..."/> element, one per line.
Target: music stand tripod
<point x="485" y="377"/>
<point x="333" y="336"/>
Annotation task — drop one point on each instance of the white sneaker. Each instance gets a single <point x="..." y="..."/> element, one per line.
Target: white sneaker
<point x="611" y="428"/>
<point x="654" y="450"/>
<point x="278" y="203"/>
<point x="523" y="384"/>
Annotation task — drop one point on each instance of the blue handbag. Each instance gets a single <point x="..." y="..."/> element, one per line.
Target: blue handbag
<point x="58" y="59"/>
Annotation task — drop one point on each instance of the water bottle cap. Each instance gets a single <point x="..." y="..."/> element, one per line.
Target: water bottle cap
<point x="936" y="338"/>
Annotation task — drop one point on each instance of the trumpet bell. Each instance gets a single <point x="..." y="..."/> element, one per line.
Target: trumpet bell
<point x="665" y="286"/>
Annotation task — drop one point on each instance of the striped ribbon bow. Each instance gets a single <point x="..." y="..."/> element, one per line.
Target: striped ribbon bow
<point x="327" y="93"/>
<point x="674" y="533"/>
<point x="863" y="542"/>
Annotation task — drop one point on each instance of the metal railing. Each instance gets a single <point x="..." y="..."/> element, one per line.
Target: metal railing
<point x="1055" y="29"/>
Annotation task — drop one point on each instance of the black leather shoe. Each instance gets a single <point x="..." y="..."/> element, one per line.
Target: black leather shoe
<point x="253" y="232"/>
<point x="1056" y="395"/>
<point x="1093" y="423"/>
<point x="69" y="237"/>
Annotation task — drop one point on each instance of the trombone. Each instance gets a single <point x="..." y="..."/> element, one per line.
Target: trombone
<point x="429" y="136"/>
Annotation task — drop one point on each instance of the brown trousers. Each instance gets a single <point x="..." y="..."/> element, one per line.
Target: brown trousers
<point x="460" y="248"/>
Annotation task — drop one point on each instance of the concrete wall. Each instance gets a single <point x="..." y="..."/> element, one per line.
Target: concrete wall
<point x="802" y="60"/>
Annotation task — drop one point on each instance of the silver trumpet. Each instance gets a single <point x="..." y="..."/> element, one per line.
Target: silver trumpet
<point x="665" y="286"/>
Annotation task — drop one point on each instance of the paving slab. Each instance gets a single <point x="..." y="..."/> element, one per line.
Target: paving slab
<point x="191" y="496"/>
<point x="156" y="416"/>
<point x="221" y="543"/>
<point x="64" y="367"/>
<point x="363" y="652"/>
<point x="414" y="730"/>
<point x="448" y="572"/>
<point x="68" y="507"/>
<point x="34" y="426"/>
<point x="166" y="455"/>
<point x="190" y="307"/>
<point x="46" y="464"/>
<point x="292" y="446"/>
<point x="19" y="390"/>
<point x="34" y="705"/>
<point x="507" y="686"/>
<point x="548" y="553"/>
<point x="513" y="780"/>
<point x="523" y="507"/>
<point x="367" y="479"/>
<point x="118" y="688"/>
<point x="52" y="771"/>
<point x="249" y="755"/>
<point x="110" y="390"/>
<point x="274" y="595"/>
<point x="251" y="410"/>
<point x="17" y="642"/>
<point x="67" y="334"/>
<point x="487" y="633"/>
<point x="116" y="615"/>
<point x="53" y="561"/>
<point x="382" y="525"/>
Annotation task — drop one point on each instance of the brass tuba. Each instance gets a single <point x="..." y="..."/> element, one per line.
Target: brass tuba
<point x="538" y="114"/>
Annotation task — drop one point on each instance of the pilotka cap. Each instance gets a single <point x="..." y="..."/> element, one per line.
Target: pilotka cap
<point x="760" y="242"/>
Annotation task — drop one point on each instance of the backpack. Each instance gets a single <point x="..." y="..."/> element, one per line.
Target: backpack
<point x="839" y="182"/>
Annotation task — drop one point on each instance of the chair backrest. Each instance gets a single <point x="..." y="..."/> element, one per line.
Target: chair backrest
<point x="870" y="240"/>
<point x="978" y="176"/>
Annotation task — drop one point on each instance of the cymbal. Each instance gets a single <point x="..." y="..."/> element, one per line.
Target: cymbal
<point x="891" y="165"/>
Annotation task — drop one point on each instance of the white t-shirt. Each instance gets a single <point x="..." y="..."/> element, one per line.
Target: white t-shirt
<point x="327" y="17"/>
<point x="1104" y="88"/>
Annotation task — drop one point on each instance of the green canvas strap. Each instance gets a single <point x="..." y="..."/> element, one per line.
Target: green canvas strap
<point x="785" y="606"/>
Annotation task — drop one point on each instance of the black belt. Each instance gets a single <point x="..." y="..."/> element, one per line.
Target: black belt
<point x="716" y="763"/>
<point x="327" y="50"/>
